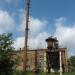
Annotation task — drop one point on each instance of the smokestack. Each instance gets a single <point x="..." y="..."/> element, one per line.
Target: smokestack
<point x="26" y="33"/>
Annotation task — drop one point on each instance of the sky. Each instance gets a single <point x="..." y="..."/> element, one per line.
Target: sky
<point x="47" y="18"/>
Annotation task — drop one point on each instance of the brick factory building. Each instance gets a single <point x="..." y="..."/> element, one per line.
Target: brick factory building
<point x="43" y="58"/>
<point x="51" y="59"/>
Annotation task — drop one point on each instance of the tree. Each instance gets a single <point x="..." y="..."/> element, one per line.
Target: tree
<point x="72" y="63"/>
<point x="72" y="59"/>
<point x="6" y="54"/>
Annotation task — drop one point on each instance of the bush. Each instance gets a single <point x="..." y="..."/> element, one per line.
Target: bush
<point x="6" y="53"/>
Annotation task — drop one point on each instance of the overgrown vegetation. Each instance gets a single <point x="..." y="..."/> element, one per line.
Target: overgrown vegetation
<point x="6" y="54"/>
<point x="43" y="73"/>
<point x="8" y="64"/>
<point x="71" y="63"/>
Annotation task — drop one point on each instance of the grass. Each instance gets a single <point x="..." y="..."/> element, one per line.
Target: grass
<point x="69" y="73"/>
<point x="42" y="73"/>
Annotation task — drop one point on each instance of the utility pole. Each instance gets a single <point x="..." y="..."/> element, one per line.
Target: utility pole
<point x="26" y="34"/>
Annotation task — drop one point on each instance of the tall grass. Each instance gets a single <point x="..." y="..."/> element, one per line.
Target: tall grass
<point x="41" y="73"/>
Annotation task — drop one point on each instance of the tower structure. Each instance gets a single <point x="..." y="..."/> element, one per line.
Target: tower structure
<point x="56" y="57"/>
<point x="52" y="54"/>
<point x="26" y="33"/>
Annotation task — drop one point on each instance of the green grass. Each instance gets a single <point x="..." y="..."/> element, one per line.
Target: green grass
<point x="69" y="73"/>
<point x="42" y="73"/>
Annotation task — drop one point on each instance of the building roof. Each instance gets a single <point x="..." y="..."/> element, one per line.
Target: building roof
<point x="51" y="39"/>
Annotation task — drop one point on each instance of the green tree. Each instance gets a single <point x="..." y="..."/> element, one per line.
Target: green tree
<point x="72" y="59"/>
<point x="72" y="63"/>
<point x="6" y="54"/>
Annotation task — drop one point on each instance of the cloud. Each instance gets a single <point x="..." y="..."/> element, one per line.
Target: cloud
<point x="7" y="22"/>
<point x="65" y="35"/>
<point x="37" y="34"/>
<point x="19" y="43"/>
<point x="35" y="25"/>
<point x="37" y="42"/>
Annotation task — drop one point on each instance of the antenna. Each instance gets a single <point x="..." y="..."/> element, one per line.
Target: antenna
<point x="26" y="33"/>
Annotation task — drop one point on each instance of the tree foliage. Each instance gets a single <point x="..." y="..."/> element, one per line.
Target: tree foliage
<point x="6" y="51"/>
<point x="72" y="63"/>
<point x="72" y="59"/>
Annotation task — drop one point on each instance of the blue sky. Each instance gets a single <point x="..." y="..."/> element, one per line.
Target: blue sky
<point x="47" y="17"/>
<point x="52" y="9"/>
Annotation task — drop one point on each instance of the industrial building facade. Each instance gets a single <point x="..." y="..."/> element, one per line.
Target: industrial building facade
<point x="37" y="59"/>
<point x="47" y="60"/>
